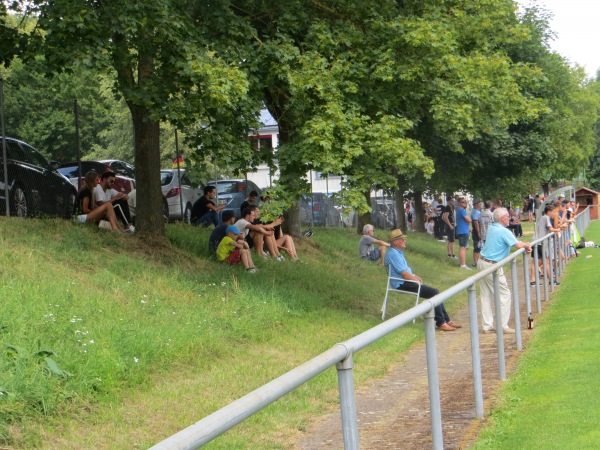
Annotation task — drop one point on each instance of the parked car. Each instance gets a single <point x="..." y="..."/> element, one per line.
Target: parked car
<point x="179" y="193"/>
<point x="232" y="193"/>
<point x="383" y="214"/>
<point x="125" y="173"/>
<point x="319" y="210"/>
<point x="35" y="186"/>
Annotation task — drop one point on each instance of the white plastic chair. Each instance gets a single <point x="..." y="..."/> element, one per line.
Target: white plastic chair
<point x="390" y="288"/>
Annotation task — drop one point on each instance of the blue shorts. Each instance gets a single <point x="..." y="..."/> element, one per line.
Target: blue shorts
<point x="463" y="240"/>
<point x="373" y="255"/>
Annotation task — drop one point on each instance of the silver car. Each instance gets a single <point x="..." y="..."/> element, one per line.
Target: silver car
<point x="180" y="195"/>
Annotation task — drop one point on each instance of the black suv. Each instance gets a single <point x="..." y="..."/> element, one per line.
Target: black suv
<point x="35" y="188"/>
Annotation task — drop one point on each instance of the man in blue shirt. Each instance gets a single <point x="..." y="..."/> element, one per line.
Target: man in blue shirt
<point x="462" y="232"/>
<point x="497" y="246"/>
<point x="394" y="259"/>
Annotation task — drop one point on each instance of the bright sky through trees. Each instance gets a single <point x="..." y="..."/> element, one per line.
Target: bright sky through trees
<point x="576" y="24"/>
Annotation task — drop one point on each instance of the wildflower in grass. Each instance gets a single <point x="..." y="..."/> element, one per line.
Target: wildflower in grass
<point x="91" y="341"/>
<point x="135" y="359"/>
<point x="143" y="302"/>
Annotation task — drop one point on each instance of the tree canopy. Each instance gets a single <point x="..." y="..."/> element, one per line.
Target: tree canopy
<point x="416" y="95"/>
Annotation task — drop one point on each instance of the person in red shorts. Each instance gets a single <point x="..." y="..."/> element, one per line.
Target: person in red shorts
<point x="233" y="249"/>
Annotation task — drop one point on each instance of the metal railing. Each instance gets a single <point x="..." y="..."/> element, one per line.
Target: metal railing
<point x="341" y="355"/>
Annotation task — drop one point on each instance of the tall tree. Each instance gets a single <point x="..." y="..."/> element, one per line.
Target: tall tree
<point x="163" y="65"/>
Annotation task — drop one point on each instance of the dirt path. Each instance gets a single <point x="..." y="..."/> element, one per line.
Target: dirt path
<point x="393" y="412"/>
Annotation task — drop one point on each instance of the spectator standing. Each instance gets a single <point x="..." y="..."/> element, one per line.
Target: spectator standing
<point x="448" y="218"/>
<point x="366" y="245"/>
<point x="497" y="246"/>
<point x="537" y="201"/>
<point x="485" y="220"/>
<point x="462" y="232"/>
<point x="204" y="211"/>
<point x="439" y="223"/>
<point x="476" y="232"/>
<point x="395" y="262"/>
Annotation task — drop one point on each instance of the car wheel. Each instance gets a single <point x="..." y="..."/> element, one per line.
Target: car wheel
<point x="70" y="206"/>
<point x="165" y="208"/>
<point x="20" y="205"/>
<point x="187" y="215"/>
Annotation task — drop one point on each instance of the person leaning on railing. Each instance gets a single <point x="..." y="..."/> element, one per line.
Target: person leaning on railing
<point x="497" y="246"/>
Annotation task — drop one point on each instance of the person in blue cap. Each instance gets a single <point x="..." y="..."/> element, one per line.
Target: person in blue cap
<point x="233" y="249"/>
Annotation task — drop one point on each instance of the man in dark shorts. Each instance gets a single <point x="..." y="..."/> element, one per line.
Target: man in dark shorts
<point x="366" y="245"/>
<point x="448" y="219"/>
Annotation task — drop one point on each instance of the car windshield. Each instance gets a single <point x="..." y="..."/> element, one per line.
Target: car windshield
<point x="229" y="187"/>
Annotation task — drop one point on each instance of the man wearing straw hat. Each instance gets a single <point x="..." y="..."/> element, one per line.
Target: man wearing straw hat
<point x="395" y="259"/>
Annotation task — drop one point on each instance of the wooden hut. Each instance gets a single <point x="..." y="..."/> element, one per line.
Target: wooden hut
<point x="586" y="197"/>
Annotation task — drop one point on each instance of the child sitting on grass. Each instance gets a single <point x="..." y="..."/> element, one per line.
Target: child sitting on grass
<point x="233" y="249"/>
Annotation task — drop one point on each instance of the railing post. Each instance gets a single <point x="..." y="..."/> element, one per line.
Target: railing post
<point x="547" y="266"/>
<point x="553" y="262"/>
<point x="347" y="403"/>
<point x="517" y="312"/>
<point x="475" y="353"/>
<point x="434" y="383"/>
<point x="527" y="261"/>
<point x="499" y="329"/>
<point x="536" y="271"/>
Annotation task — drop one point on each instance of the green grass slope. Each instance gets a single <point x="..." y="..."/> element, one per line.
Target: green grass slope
<point x="114" y="341"/>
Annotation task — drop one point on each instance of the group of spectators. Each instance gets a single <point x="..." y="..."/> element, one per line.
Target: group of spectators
<point x="98" y="202"/>
<point x="233" y="237"/>
<point x="494" y="230"/>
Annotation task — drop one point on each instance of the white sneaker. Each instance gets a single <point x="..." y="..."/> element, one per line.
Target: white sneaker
<point x="464" y="266"/>
<point x="280" y="258"/>
<point x="508" y="330"/>
<point x="131" y="229"/>
<point x="251" y="270"/>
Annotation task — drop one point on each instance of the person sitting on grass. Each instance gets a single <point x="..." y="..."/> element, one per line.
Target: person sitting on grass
<point x="204" y="210"/>
<point x="233" y="249"/>
<point x="85" y="207"/>
<point x="104" y="193"/>
<point x="257" y="235"/>
<point x="366" y="248"/>
<point x="250" y="200"/>
<point x="220" y="231"/>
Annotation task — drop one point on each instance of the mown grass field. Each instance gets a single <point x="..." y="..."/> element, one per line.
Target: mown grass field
<point x="114" y="341"/>
<point x="553" y="399"/>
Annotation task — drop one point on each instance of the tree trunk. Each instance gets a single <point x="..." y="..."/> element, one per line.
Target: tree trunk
<point x="149" y="205"/>
<point x="399" y="199"/>
<point x="291" y="171"/>
<point x="291" y="223"/>
<point x="365" y="218"/>
<point x="419" y="211"/>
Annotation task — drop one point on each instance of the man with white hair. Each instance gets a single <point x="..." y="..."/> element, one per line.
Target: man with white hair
<point x="366" y="245"/>
<point x="497" y="246"/>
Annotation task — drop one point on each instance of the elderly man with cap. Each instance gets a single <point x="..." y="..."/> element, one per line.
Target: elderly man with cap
<point x="476" y="233"/>
<point x="395" y="259"/>
<point x="497" y="246"/>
